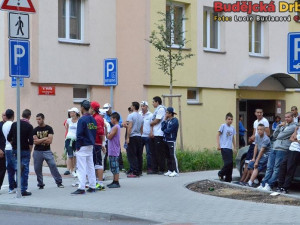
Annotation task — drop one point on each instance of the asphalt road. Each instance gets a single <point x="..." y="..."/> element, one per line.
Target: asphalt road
<point x="25" y="218"/>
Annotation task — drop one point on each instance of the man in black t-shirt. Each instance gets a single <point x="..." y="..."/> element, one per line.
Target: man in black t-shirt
<point x="42" y="138"/>
<point x="26" y="142"/>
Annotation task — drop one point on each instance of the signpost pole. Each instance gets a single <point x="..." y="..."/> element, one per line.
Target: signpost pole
<point x="112" y="97"/>
<point x="19" y="195"/>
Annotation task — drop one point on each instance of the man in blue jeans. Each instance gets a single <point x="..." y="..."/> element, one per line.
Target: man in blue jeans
<point x="10" y="159"/>
<point x="26" y="147"/>
<point x="281" y="145"/>
<point x="147" y="117"/>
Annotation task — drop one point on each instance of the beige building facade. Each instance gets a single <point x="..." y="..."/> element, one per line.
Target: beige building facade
<point x="236" y="66"/>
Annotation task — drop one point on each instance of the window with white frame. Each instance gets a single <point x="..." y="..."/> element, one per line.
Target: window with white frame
<point x="70" y="19"/>
<point x="81" y="93"/>
<point x="175" y="23"/>
<point x="193" y="95"/>
<point x="211" y="29"/>
<point x="256" y="39"/>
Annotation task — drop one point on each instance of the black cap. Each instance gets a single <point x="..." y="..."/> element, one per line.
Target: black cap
<point x="9" y="113"/>
<point x="86" y="104"/>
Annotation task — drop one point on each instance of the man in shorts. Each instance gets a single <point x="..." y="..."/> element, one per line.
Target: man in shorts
<point x="261" y="153"/>
<point x="260" y="120"/>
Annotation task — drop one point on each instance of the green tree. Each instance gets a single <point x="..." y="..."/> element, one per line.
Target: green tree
<point x="169" y="39"/>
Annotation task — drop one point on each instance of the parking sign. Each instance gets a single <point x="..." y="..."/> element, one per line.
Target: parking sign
<point x="110" y="75"/>
<point x="293" y="63"/>
<point x="19" y="58"/>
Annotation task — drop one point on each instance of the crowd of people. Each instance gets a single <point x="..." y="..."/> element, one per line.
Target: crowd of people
<point x="92" y="138"/>
<point x="277" y="152"/>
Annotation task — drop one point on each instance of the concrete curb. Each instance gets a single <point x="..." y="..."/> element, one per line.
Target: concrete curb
<point x="73" y="213"/>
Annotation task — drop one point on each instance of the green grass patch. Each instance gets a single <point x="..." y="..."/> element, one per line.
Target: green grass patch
<point x="189" y="161"/>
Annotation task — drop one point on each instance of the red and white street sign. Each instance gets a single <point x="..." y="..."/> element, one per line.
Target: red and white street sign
<point x="46" y="90"/>
<point x="18" y="6"/>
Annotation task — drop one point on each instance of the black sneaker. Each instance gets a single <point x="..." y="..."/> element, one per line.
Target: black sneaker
<point x="78" y="192"/>
<point x="91" y="190"/>
<point x="26" y="193"/>
<point x="67" y="172"/>
<point x="115" y="185"/>
<point x="41" y="186"/>
<point x="110" y="184"/>
<point x="60" y="185"/>
<point x="284" y="191"/>
<point x="160" y="173"/>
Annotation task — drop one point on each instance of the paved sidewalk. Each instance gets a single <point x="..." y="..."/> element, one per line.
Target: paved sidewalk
<point x="151" y="197"/>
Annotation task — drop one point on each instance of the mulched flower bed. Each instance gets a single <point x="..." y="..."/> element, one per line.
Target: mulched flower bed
<point x="224" y="190"/>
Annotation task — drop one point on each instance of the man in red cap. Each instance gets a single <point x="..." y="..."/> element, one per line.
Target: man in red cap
<point x="99" y="144"/>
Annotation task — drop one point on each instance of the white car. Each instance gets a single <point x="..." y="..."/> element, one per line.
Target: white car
<point x="297" y="66"/>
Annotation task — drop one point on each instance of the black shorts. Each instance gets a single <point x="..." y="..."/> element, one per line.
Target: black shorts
<point x="70" y="148"/>
<point x="250" y="153"/>
<point x="97" y="156"/>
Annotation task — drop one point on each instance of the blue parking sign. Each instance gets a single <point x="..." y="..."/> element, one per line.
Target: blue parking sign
<point x="110" y="75"/>
<point x="293" y="63"/>
<point x="19" y="58"/>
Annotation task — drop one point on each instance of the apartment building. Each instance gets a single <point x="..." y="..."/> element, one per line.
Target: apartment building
<point x="236" y="67"/>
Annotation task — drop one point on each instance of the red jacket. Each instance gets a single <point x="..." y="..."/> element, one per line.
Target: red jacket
<point x="100" y="128"/>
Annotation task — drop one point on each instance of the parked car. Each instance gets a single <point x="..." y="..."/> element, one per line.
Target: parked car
<point x="240" y="161"/>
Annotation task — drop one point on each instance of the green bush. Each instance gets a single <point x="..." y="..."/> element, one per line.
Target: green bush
<point x="189" y="161"/>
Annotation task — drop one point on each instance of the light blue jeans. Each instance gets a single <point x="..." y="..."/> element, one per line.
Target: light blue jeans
<point x="273" y="166"/>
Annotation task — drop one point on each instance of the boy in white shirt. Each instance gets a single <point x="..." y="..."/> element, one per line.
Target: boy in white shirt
<point x="225" y="140"/>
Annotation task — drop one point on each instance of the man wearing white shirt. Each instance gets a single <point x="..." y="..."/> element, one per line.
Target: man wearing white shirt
<point x="158" y="155"/>
<point x="147" y="117"/>
<point x="260" y="120"/>
<point x="294" y="110"/>
<point x="11" y="164"/>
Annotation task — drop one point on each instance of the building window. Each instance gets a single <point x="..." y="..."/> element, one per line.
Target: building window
<point x="256" y="30"/>
<point x="70" y="19"/>
<point x="211" y="29"/>
<point x="81" y="93"/>
<point x="175" y="24"/>
<point x="193" y="96"/>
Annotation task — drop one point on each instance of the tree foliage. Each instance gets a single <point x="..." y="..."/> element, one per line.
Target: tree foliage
<point x="169" y="39"/>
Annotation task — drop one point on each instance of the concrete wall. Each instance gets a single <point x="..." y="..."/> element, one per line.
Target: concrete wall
<point x="200" y="123"/>
<point x="235" y="64"/>
<point x="75" y="63"/>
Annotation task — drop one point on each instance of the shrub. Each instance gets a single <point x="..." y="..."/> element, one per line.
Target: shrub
<point x="189" y="161"/>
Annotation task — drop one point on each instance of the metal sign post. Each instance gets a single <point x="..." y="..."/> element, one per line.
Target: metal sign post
<point x="19" y="194"/>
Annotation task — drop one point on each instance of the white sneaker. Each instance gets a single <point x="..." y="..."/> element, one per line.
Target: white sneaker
<point x="260" y="187"/>
<point x="267" y="187"/>
<point x="13" y="191"/>
<point x="76" y="184"/>
<point x="74" y="174"/>
<point x="256" y="181"/>
<point x="168" y="173"/>
<point x="174" y="174"/>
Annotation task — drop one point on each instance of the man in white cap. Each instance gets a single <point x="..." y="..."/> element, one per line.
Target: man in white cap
<point x="107" y="108"/>
<point x="147" y="117"/>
